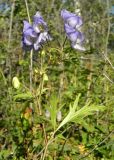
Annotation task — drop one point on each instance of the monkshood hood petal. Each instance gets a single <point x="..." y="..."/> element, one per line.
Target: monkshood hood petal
<point x="73" y="34"/>
<point x="78" y="47"/>
<point x="39" y="24"/>
<point x="71" y="19"/>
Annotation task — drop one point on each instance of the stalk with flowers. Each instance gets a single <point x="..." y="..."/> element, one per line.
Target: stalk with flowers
<point x="60" y="102"/>
<point x="35" y="37"/>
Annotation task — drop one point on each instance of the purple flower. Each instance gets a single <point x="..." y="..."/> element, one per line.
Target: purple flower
<point x="73" y="34"/>
<point x="66" y="14"/>
<point x="34" y="36"/>
<point x="43" y="37"/>
<point x="29" y="36"/>
<point x="29" y="32"/>
<point x="78" y="46"/>
<point x="71" y="19"/>
<point x="72" y="23"/>
<point x="38" y="23"/>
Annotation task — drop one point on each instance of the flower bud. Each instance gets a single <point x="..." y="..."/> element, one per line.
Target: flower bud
<point x="43" y="53"/>
<point x="45" y="77"/>
<point x="59" y="116"/>
<point x="47" y="114"/>
<point x="15" y="82"/>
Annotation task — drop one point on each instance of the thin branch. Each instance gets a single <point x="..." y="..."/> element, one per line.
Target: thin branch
<point x="60" y="153"/>
<point x="108" y="77"/>
<point x="64" y="42"/>
<point x="26" y="3"/>
<point x="8" y="60"/>
<point x="109" y="25"/>
<point x="11" y="23"/>
<point x="4" y="78"/>
<point x="98" y="145"/>
<point x="51" y="140"/>
<point x="31" y="69"/>
<point x="31" y="55"/>
<point x="107" y="59"/>
<point x="107" y="38"/>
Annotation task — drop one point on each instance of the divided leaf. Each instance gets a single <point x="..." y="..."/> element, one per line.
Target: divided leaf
<point x="78" y="116"/>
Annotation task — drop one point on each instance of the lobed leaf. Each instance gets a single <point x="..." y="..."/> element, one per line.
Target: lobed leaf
<point x="78" y="116"/>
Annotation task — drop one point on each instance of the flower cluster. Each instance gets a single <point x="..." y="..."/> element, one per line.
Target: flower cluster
<point x="72" y="24"/>
<point x="34" y="36"/>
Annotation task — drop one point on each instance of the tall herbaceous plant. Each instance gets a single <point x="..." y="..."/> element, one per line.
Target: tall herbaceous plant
<point x="59" y="80"/>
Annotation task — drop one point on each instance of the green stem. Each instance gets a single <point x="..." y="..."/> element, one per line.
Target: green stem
<point x="5" y="81"/>
<point x="31" y="70"/>
<point x="106" y="87"/>
<point x="40" y="86"/>
<point x="31" y="54"/>
<point x="62" y="75"/>
<point x="53" y="138"/>
<point x="11" y="23"/>
<point x="26" y="3"/>
<point x="9" y="39"/>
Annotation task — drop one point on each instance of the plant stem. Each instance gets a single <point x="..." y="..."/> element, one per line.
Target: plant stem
<point x="9" y="39"/>
<point x="108" y="32"/>
<point x="11" y="23"/>
<point x="26" y="3"/>
<point x="31" y="70"/>
<point x="40" y="89"/>
<point x="53" y="138"/>
<point x="31" y="54"/>
<point x="89" y="66"/>
<point x="62" y="75"/>
<point x="106" y="87"/>
<point x="108" y="136"/>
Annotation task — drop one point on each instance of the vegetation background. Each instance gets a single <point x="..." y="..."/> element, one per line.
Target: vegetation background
<point x="37" y="123"/>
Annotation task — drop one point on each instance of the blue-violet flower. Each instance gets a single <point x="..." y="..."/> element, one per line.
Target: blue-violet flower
<point x="72" y="25"/>
<point x="34" y="36"/>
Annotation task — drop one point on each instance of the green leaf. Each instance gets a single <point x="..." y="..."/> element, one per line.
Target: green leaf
<point x="53" y="110"/>
<point x="88" y="127"/>
<point x="78" y="116"/>
<point x="22" y="97"/>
